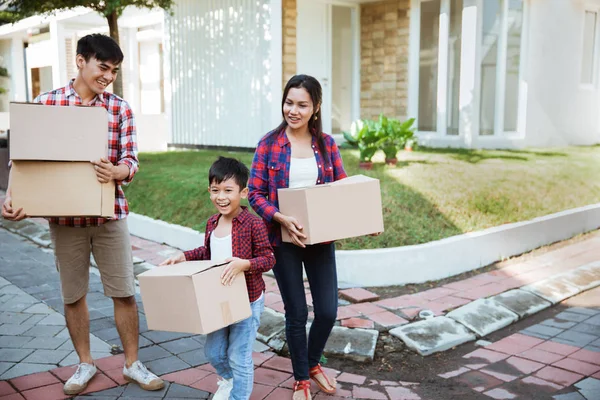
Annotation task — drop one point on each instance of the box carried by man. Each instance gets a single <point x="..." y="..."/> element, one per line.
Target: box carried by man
<point x="50" y="152"/>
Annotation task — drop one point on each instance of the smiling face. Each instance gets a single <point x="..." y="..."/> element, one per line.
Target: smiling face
<point x="226" y="196"/>
<point x="298" y="108"/>
<point x="96" y="74"/>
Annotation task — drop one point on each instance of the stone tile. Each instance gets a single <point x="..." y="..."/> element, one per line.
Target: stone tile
<point x="485" y="355"/>
<point x="366" y="309"/>
<point x="571" y="316"/>
<point x="541" y="356"/>
<point x="576" y="338"/>
<point x="569" y="396"/>
<point x="387" y="319"/>
<point x="595" y="320"/>
<point x="500" y="394"/>
<point x="152" y="353"/>
<point x="134" y="391"/>
<point x="259" y="392"/>
<point x="39" y="308"/>
<point x="577" y="366"/>
<point x="185" y="392"/>
<point x="194" y="357"/>
<point x="478" y="381"/>
<point x="587" y="356"/>
<point x="589" y="384"/>
<point x="160" y="336"/>
<point x="454" y="373"/>
<point x="14" y="355"/>
<point x="107" y="334"/>
<point x="34" y="319"/>
<point x="558" y="376"/>
<point x="5" y="366"/>
<point x="280" y="364"/>
<point x="208" y="384"/>
<point x="587" y="328"/>
<point x="543" y="330"/>
<point x="167" y="365"/>
<point x="13" y="329"/>
<point x="363" y="343"/>
<point x="557" y="348"/>
<point x="14" y="342"/>
<point x="54" y="392"/>
<point x="554" y="289"/>
<point x="44" y="331"/>
<point x="112" y="392"/>
<point x="515" y="344"/>
<point x="482" y="291"/>
<point x="521" y="302"/>
<point x="47" y="343"/>
<point x="33" y="381"/>
<point x="181" y="345"/>
<point x="358" y="295"/>
<point x="553" y="322"/>
<point x="483" y="316"/>
<point x="54" y="319"/>
<point x="279" y="393"/>
<point x="586" y="311"/>
<point x="187" y="376"/>
<point x="358" y="323"/>
<point x="347" y="312"/>
<point x="270" y="377"/>
<point x="98" y="383"/>
<point x="14" y="318"/>
<point x="47" y="356"/>
<point x="433" y="335"/>
<point x="25" y="369"/>
<point x="5" y="387"/>
<point x="359" y="392"/>
<point x="260" y="358"/>
<point x="347" y="377"/>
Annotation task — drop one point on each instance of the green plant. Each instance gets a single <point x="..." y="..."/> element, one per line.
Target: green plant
<point x="397" y="135"/>
<point x="3" y="74"/>
<point x="366" y="135"/>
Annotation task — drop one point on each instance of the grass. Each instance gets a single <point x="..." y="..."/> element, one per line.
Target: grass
<point x="431" y="194"/>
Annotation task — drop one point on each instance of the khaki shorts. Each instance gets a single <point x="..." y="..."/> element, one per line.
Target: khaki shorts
<point x="111" y="247"/>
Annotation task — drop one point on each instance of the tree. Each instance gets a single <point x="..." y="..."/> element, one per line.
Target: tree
<point x="13" y="10"/>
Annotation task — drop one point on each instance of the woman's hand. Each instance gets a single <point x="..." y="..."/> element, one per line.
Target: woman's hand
<point x="293" y="228"/>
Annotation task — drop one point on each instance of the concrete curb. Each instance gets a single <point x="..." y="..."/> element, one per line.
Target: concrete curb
<point x="419" y="263"/>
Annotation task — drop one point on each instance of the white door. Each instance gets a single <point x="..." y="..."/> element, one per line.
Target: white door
<point x="313" y="43"/>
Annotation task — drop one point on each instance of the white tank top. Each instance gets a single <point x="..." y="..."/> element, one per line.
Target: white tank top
<point x="303" y="172"/>
<point x="220" y="248"/>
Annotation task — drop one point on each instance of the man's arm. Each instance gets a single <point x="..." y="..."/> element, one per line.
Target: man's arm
<point x="7" y="211"/>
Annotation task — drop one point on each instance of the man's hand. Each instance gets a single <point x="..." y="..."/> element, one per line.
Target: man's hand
<point x="105" y="170"/>
<point x="176" y="259"/>
<point x="9" y="213"/>
<point x="236" y="266"/>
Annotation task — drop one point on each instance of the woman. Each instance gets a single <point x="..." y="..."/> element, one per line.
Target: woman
<point x="296" y="154"/>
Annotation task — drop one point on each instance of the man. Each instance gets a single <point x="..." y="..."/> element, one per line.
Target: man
<point x="98" y="60"/>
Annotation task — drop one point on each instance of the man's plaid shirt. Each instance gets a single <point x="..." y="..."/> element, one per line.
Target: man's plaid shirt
<point x="122" y="143"/>
<point x="249" y="241"/>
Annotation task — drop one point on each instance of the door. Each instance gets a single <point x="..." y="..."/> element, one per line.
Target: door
<point x="313" y="42"/>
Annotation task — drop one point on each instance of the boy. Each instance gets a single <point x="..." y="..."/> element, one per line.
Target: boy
<point x="74" y="238"/>
<point x="241" y="239"/>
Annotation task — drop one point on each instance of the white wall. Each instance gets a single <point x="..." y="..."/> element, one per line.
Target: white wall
<point x="559" y="110"/>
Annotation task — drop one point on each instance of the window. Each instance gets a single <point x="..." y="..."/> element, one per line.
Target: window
<point x="428" y="65"/>
<point x="588" y="64"/>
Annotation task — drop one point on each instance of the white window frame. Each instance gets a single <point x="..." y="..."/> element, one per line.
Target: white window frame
<point x="595" y="51"/>
<point x="470" y="76"/>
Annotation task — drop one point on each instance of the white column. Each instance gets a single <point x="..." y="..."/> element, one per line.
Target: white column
<point x="469" y="72"/>
<point x="276" y="61"/>
<point x="501" y="70"/>
<point x="442" y="81"/>
<point x="413" y="60"/>
<point x="18" y="82"/>
<point x="133" y="68"/>
<point x="58" y="54"/>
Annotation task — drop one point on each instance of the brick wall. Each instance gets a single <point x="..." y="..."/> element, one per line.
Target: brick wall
<point x="289" y="16"/>
<point x="384" y="58"/>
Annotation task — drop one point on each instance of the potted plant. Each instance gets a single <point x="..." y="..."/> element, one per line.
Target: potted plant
<point x="396" y="137"/>
<point x="366" y="135"/>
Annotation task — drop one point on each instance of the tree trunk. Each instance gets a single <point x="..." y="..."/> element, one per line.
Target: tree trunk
<point x="113" y="28"/>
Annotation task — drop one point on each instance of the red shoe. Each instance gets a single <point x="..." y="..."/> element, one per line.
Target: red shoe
<point x="302" y="390"/>
<point x="326" y="384"/>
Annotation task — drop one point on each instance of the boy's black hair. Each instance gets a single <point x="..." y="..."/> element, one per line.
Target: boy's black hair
<point x="226" y="168"/>
<point x="101" y="47"/>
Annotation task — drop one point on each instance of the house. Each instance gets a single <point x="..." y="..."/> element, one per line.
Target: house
<point x="39" y="53"/>
<point x="474" y="73"/>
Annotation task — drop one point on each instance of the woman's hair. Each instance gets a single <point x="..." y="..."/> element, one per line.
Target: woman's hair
<point x="315" y="126"/>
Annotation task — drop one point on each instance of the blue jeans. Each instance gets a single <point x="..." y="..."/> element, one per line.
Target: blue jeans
<point x="229" y="351"/>
<point x="319" y="264"/>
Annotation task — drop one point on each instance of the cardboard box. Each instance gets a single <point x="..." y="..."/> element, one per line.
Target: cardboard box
<point x="347" y="208"/>
<point x="60" y="188"/>
<point x="189" y="298"/>
<point x="53" y="133"/>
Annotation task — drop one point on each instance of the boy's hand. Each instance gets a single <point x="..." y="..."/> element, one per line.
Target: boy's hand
<point x="11" y="214"/>
<point x="179" y="258"/>
<point x="235" y="267"/>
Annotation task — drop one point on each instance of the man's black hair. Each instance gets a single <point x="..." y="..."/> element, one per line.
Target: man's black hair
<point x="101" y="47"/>
<point x="226" y="168"/>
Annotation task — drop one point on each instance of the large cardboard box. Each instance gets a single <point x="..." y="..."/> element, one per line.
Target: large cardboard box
<point x="53" y="133"/>
<point x="346" y="208"/>
<point x="60" y="188"/>
<point x="189" y="298"/>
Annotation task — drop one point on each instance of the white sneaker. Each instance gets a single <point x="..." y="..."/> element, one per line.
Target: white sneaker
<point x="225" y="386"/>
<point x="79" y="381"/>
<point x="139" y="374"/>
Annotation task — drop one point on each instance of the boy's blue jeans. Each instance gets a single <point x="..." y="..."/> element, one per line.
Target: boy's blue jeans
<point x="229" y="351"/>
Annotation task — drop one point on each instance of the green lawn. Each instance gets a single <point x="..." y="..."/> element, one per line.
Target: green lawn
<point x="431" y="193"/>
